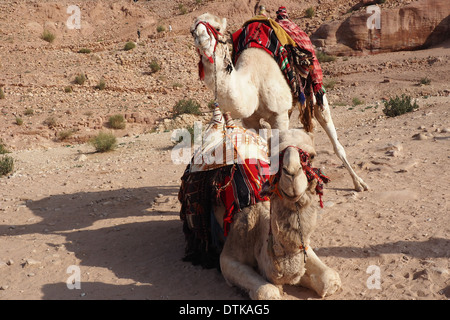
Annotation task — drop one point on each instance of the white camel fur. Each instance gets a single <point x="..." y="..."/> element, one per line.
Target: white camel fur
<point x="255" y="87"/>
<point x="261" y="263"/>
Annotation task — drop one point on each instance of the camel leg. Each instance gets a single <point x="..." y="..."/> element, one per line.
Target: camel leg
<point x="280" y="122"/>
<point x="318" y="277"/>
<point x="245" y="277"/>
<point x="324" y="118"/>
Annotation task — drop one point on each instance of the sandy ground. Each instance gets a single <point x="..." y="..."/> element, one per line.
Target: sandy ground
<point x="114" y="217"/>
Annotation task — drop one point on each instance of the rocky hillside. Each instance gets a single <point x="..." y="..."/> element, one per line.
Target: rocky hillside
<point x="43" y="101"/>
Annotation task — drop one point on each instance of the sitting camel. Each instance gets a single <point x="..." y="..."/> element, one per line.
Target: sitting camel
<point x="254" y="87"/>
<point x="268" y="244"/>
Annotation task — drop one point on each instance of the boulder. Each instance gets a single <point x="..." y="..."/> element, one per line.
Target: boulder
<point x="415" y="26"/>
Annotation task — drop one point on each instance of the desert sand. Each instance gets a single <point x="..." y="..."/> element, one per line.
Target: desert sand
<point x="114" y="217"/>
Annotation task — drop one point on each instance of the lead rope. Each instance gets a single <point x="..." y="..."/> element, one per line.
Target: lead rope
<point x="302" y="246"/>
<point x="216" y="104"/>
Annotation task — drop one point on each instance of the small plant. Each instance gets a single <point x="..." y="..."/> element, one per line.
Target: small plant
<point x="3" y="149"/>
<point x="84" y="50"/>
<point x="64" y="135"/>
<point x="324" y="57"/>
<point x="425" y="81"/>
<point x="68" y="89"/>
<point x="129" y="45"/>
<point x="6" y="165"/>
<point x="186" y="106"/>
<point x="117" y="122"/>
<point x="191" y="131"/>
<point x="29" y="112"/>
<point x="19" y="121"/>
<point x="2" y="94"/>
<point x="50" y="122"/>
<point x="182" y="8"/>
<point x="356" y="101"/>
<point x="399" y="105"/>
<point x="104" y="142"/>
<point x="80" y="79"/>
<point x="101" y="85"/>
<point x="309" y="13"/>
<point x="160" y="29"/>
<point x="329" y="84"/>
<point x="48" y="36"/>
<point x="154" y="66"/>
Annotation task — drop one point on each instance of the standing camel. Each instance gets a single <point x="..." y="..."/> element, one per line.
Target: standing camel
<point x="254" y="87"/>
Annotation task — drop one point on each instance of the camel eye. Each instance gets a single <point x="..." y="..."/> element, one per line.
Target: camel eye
<point x="311" y="157"/>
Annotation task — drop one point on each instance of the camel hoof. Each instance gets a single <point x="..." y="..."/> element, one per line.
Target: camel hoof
<point x="331" y="283"/>
<point x="266" y="292"/>
<point x="361" y="186"/>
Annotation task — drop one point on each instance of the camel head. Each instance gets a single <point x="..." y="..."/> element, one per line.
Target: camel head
<point x="207" y="30"/>
<point x="297" y="151"/>
<point x="295" y="175"/>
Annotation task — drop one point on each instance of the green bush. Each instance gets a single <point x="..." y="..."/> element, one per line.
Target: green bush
<point x="324" y="57"/>
<point x="129" y="45"/>
<point x="104" y="142"/>
<point x="356" y="101"/>
<point x="101" y="85"/>
<point x="116" y="122"/>
<point x="84" y="50"/>
<point x="80" y="79"/>
<point x="51" y="122"/>
<point x="309" y="13"/>
<point x="160" y="29"/>
<point x="6" y="165"/>
<point x="186" y="106"/>
<point x="29" y="112"/>
<point x="19" y="121"/>
<point x="2" y="94"/>
<point x="3" y="149"/>
<point x="68" y="89"/>
<point x="154" y="66"/>
<point x="65" y="134"/>
<point x="399" y="105"/>
<point x="48" y="36"/>
<point x="425" y="81"/>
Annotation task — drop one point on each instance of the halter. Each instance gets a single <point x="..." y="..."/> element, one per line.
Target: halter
<point x="214" y="33"/>
<point x="271" y="185"/>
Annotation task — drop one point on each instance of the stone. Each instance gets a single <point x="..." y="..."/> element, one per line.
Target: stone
<point x="417" y="25"/>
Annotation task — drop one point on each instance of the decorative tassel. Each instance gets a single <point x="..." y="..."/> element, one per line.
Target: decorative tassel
<point x="301" y="98"/>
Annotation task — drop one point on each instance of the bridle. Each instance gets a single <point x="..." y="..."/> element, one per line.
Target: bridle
<point x="212" y="32"/>
<point x="271" y="185"/>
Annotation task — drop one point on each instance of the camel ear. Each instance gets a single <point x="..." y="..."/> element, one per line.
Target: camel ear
<point x="264" y="124"/>
<point x="223" y="25"/>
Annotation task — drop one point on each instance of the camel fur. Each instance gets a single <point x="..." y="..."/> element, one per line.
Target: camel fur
<point x="261" y="263"/>
<point x="255" y="87"/>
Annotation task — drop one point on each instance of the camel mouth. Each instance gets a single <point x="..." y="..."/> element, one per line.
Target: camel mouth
<point x="294" y="198"/>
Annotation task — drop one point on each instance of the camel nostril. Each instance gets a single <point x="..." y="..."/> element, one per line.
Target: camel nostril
<point x="287" y="172"/>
